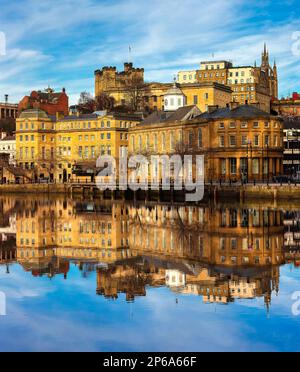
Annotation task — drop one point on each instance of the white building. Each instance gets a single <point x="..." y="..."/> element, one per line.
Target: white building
<point x="174" y="99"/>
<point x="8" y="146"/>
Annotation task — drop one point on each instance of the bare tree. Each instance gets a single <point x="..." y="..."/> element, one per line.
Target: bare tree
<point x="86" y="103"/>
<point x="135" y="94"/>
<point x="104" y="102"/>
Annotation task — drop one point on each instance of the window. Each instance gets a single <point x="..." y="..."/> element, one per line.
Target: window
<point x="221" y="141"/>
<point x="256" y="124"/>
<point x="244" y="125"/>
<point x="232" y="125"/>
<point x="222" y="126"/>
<point x="172" y="141"/>
<point x="267" y="140"/>
<point x="232" y="141"/>
<point x="195" y="100"/>
<point x="267" y="125"/>
<point x="244" y="140"/>
<point x="191" y="138"/>
<point x="163" y="142"/>
<point x="233" y="163"/>
<point x="222" y="244"/>
<point x="206" y="96"/>
<point x="255" y="166"/>
<point x="155" y="142"/>
<point x="275" y="141"/>
<point x="140" y="142"/>
<point x="223" y="167"/>
<point x="256" y="140"/>
<point x="132" y="143"/>
<point x="200" y="138"/>
<point x="233" y="244"/>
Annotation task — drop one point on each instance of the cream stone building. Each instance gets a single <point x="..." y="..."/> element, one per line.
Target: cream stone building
<point x="184" y="77"/>
<point x="62" y="148"/>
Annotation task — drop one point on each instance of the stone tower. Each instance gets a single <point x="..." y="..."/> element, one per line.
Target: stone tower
<point x="270" y="73"/>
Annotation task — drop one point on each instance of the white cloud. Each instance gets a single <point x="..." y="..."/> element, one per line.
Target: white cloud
<point x="64" y="42"/>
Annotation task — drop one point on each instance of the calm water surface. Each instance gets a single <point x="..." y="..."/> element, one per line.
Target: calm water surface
<point x="93" y="276"/>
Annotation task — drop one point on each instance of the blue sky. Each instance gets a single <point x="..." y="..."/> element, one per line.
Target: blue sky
<point x="61" y="43"/>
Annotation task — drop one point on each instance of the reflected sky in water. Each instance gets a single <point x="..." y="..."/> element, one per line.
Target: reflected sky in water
<point x="150" y="300"/>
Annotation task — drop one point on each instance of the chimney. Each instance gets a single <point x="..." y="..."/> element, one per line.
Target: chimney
<point x="212" y="108"/>
<point x="233" y="105"/>
<point x="256" y="104"/>
<point x="59" y="115"/>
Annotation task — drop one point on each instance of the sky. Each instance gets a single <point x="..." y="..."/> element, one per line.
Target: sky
<point x="61" y="43"/>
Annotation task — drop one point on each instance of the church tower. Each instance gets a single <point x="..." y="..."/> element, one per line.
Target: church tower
<point x="265" y="59"/>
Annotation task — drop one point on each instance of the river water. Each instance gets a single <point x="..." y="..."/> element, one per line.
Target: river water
<point x="84" y="275"/>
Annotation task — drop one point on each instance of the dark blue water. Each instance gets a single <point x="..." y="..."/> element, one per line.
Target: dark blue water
<point x="61" y="307"/>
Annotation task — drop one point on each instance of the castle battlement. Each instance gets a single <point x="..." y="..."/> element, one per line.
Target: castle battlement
<point x="109" y="78"/>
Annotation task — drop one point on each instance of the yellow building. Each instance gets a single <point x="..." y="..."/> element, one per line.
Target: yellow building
<point x="238" y="142"/>
<point x="54" y="147"/>
<point x="121" y="85"/>
<point x="184" y="77"/>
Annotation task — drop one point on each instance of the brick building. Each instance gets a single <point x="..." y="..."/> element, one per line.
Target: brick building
<point x="48" y="101"/>
<point x="289" y="106"/>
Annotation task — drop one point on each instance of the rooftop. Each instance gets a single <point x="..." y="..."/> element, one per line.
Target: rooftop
<point x="34" y="114"/>
<point x="243" y="111"/>
<point x="291" y="122"/>
<point x="183" y="113"/>
<point x="8" y="138"/>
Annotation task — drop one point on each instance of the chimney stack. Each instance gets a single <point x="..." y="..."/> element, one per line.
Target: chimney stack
<point x="233" y="105"/>
<point x="212" y="108"/>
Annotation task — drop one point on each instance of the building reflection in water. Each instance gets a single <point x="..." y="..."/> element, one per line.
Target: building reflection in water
<point x="219" y="253"/>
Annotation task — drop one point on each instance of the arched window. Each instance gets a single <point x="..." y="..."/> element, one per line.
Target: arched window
<point x="200" y="144"/>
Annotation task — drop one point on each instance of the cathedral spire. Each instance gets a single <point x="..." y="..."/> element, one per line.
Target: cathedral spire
<point x="265" y="58"/>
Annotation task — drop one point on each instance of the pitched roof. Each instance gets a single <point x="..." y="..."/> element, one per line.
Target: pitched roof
<point x="80" y="117"/>
<point x="183" y="113"/>
<point x="244" y="111"/>
<point x="34" y="114"/>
